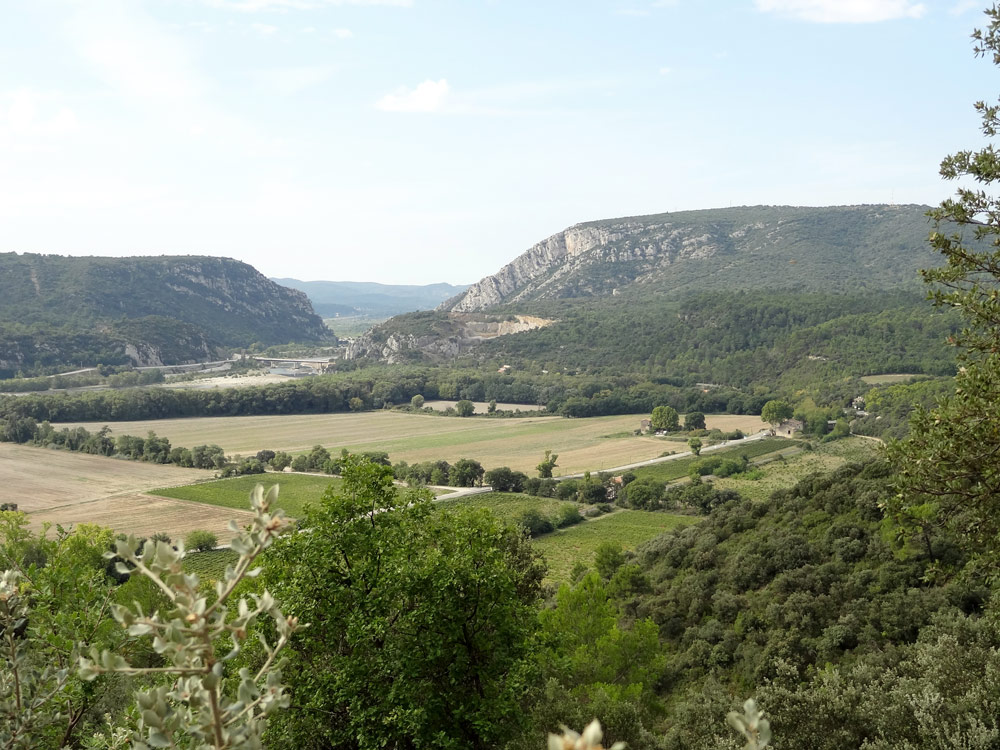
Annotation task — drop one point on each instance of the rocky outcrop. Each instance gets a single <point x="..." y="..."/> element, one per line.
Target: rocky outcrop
<point x="541" y="271"/>
<point x="716" y="248"/>
<point x="454" y="334"/>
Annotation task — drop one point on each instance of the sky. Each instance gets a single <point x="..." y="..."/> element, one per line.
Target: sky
<point x="419" y="141"/>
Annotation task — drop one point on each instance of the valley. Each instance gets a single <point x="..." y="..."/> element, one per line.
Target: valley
<point x="582" y="444"/>
<point x="587" y="424"/>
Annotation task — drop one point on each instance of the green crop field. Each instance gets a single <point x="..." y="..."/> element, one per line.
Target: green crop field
<point x="209" y="565"/>
<point x="510" y="506"/>
<point x="589" y="444"/>
<point x="294" y="491"/>
<point x="562" y="549"/>
<point x="777" y="475"/>
<point x="668" y="471"/>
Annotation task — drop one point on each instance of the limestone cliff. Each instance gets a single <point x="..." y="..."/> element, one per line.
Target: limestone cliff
<point x="763" y="246"/>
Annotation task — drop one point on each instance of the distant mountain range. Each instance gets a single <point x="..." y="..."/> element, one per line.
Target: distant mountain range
<point x="338" y="298"/>
<point x="836" y="249"/>
<point x="57" y="310"/>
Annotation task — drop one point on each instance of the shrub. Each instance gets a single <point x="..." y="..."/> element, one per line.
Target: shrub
<point x="535" y="523"/>
<point x="281" y="460"/>
<point x="569" y="515"/>
<point x="201" y="540"/>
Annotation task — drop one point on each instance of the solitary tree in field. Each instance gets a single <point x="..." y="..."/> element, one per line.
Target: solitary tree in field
<point x="664" y="418"/>
<point x="694" y="420"/>
<point x="775" y="412"/>
<point x="547" y="465"/>
<point x="695" y="445"/>
<point x="417" y="402"/>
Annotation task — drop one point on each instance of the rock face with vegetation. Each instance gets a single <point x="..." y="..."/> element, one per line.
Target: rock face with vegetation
<point x="436" y="336"/>
<point x="840" y="249"/>
<point x="56" y="310"/>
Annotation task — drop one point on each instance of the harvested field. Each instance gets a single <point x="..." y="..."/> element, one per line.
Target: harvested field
<point x="65" y="488"/>
<point x="40" y="478"/>
<point x="582" y="444"/>
<point x="144" y="515"/>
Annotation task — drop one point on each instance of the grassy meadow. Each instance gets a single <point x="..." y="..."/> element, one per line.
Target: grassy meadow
<point x="778" y="475"/>
<point x="590" y="444"/>
<point x="509" y="506"/>
<point x="562" y="549"/>
<point x="294" y="491"/>
<point x="669" y="471"/>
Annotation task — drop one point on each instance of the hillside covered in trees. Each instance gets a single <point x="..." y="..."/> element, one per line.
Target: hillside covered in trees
<point x="844" y="249"/>
<point x="57" y="311"/>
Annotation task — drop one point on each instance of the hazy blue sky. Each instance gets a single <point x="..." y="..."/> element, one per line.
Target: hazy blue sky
<point x="413" y="141"/>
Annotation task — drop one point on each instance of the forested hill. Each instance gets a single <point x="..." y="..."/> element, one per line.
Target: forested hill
<point x="59" y="310"/>
<point x="838" y="249"/>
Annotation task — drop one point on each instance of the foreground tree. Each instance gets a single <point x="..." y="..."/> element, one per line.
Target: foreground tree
<point x="197" y="635"/>
<point x="55" y="596"/>
<point x="949" y="474"/>
<point x="421" y="621"/>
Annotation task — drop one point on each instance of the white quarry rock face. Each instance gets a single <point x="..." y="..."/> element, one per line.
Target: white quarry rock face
<point x="543" y="269"/>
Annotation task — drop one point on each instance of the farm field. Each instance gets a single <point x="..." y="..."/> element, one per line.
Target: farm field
<point x="783" y="474"/>
<point x="39" y="479"/>
<point x="668" y="471"/>
<point x="509" y="506"/>
<point x="294" y="491"/>
<point x="209" y="565"/>
<point x="562" y="549"/>
<point x="582" y="444"/>
<point x="61" y="487"/>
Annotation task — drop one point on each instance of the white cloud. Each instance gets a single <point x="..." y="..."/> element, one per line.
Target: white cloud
<point x="264" y="29"/>
<point x="964" y="6"/>
<point x="665" y="71"/>
<point x="843" y="11"/>
<point x="294" y="79"/>
<point x="342" y="33"/>
<point x="26" y="115"/>
<point x="253" y="6"/>
<point x="133" y="55"/>
<point x="429" y="96"/>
